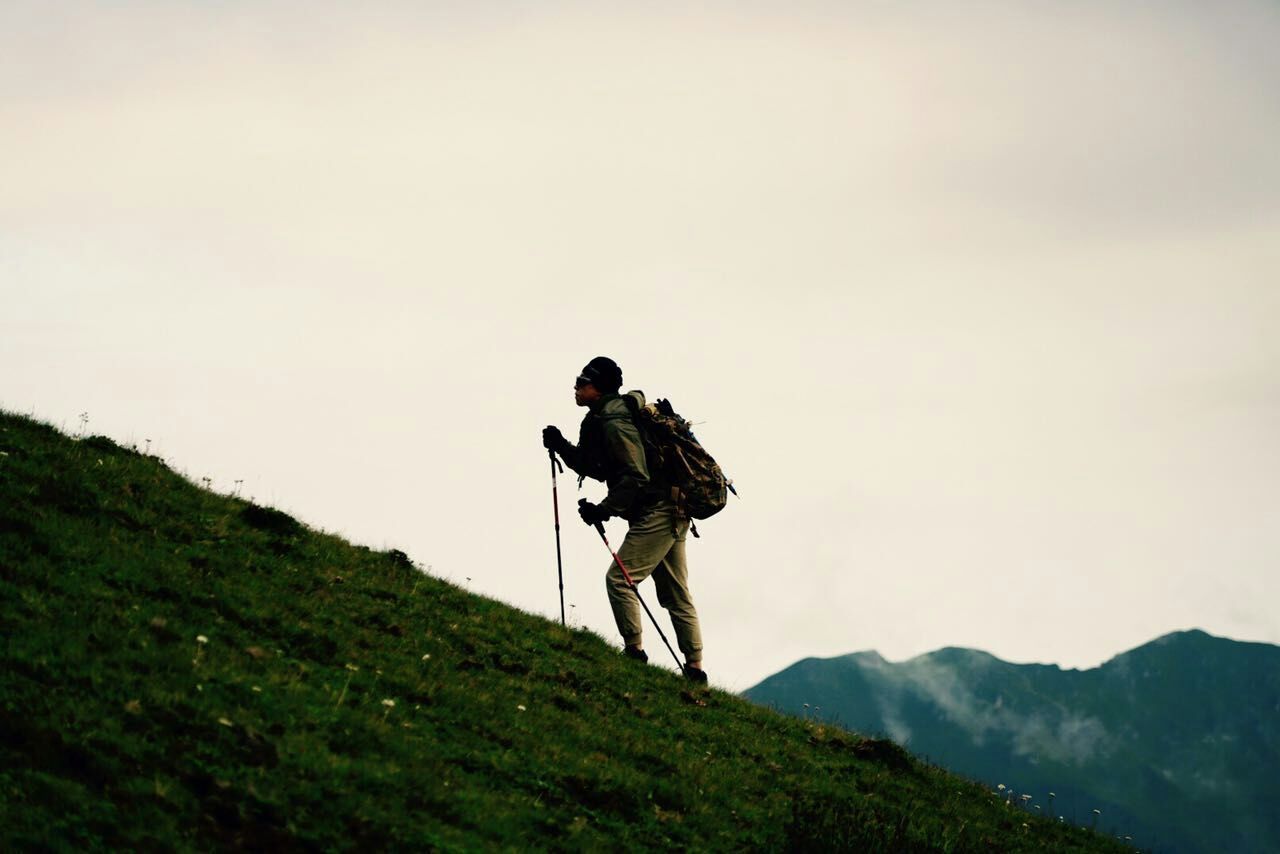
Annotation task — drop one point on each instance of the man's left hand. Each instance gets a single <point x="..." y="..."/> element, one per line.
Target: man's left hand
<point x="592" y="513"/>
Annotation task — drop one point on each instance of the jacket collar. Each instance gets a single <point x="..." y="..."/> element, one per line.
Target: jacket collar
<point x="599" y="403"/>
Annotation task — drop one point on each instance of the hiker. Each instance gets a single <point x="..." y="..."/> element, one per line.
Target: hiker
<point x="610" y="449"/>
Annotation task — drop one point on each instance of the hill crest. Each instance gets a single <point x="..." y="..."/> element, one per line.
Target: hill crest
<point x="184" y="669"/>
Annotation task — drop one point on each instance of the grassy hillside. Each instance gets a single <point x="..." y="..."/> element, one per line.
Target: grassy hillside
<point x="185" y="669"/>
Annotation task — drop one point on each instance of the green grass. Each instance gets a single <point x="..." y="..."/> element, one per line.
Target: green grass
<point x="120" y="728"/>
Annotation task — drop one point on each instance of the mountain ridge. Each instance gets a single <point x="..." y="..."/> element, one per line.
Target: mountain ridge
<point x="1187" y="721"/>
<point x="1172" y="636"/>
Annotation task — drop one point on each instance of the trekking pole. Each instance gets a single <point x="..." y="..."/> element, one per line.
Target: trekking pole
<point x="555" y="503"/>
<point x="632" y="585"/>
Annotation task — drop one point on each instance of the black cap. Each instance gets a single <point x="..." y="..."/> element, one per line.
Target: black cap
<point x="603" y="373"/>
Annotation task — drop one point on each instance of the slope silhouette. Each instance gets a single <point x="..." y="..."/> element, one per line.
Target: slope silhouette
<point x="184" y="669"/>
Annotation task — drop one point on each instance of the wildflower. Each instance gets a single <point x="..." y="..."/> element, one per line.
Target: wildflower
<point x="522" y="708"/>
<point x="352" y="670"/>
<point x="201" y="639"/>
<point x="389" y="703"/>
<point x="257" y="690"/>
<point x="1000" y="786"/>
<point x="426" y="657"/>
<point x="225" y="722"/>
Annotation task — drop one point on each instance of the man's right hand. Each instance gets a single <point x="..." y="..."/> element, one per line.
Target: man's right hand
<point x="553" y="440"/>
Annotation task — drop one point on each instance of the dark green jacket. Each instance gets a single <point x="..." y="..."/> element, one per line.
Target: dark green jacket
<point x="610" y="449"/>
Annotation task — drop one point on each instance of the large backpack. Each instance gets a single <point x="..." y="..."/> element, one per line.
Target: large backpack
<point x="677" y="459"/>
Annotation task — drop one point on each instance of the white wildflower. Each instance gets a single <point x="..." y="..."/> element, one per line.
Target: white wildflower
<point x="522" y="708"/>
<point x="389" y="703"/>
<point x="225" y="722"/>
<point x="201" y="639"/>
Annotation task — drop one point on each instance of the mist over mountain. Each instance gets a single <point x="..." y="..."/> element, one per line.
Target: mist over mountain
<point x="1176" y="742"/>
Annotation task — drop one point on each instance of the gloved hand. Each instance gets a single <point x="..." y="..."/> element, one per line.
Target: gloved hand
<point x="592" y="513"/>
<point x="553" y="440"/>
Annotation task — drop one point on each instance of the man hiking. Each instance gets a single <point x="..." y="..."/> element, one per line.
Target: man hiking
<point x="610" y="449"/>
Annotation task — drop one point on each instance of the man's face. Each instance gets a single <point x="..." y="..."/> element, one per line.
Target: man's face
<point x="584" y="393"/>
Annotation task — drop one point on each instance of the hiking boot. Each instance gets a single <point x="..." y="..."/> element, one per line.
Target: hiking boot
<point x="637" y="654"/>
<point x="696" y="675"/>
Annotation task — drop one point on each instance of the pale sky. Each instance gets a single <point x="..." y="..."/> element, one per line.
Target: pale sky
<point x="976" y="302"/>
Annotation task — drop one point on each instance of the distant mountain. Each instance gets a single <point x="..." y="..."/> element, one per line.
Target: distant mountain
<point x="1177" y="742"/>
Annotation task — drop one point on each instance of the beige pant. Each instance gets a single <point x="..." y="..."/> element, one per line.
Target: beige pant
<point x="655" y="546"/>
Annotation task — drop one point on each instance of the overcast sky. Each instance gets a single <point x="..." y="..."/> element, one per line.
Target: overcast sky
<point x="976" y="302"/>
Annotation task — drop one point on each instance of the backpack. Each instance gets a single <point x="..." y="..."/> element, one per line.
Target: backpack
<point x="676" y="458"/>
